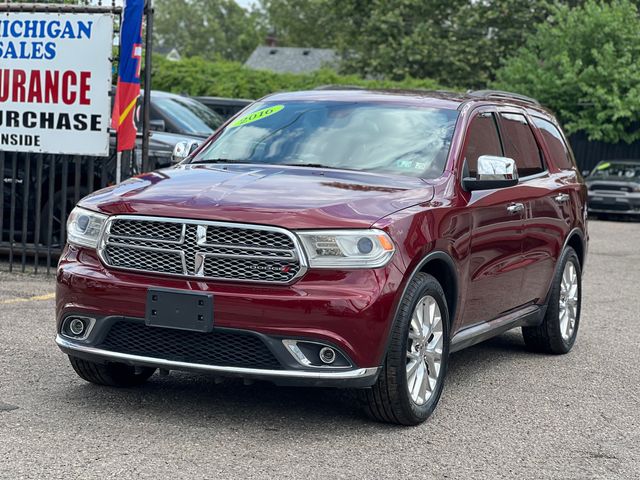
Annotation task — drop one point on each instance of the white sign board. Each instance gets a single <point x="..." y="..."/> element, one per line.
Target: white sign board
<point x="55" y="78"/>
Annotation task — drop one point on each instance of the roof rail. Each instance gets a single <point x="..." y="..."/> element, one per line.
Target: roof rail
<point x="502" y="95"/>
<point x="339" y="87"/>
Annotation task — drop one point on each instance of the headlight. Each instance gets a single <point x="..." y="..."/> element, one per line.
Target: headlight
<point x="84" y="227"/>
<point x="347" y="248"/>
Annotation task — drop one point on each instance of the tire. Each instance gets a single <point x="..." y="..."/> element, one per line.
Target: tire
<point x="390" y="400"/>
<point x="553" y="335"/>
<point x="111" y="374"/>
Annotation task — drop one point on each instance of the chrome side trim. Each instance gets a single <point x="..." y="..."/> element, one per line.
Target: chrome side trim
<point x="527" y="316"/>
<point x="358" y="373"/>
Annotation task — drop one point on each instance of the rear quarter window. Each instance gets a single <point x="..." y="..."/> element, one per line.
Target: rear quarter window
<point x="555" y="142"/>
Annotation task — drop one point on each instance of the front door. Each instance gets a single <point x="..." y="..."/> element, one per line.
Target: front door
<point x="495" y="275"/>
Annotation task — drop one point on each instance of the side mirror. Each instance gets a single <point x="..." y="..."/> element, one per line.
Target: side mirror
<point x="157" y="125"/>
<point x="183" y="149"/>
<point x="586" y="173"/>
<point x="493" y="172"/>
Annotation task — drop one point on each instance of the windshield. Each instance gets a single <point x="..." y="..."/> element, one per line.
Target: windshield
<point x="190" y="116"/>
<point x="622" y="171"/>
<point x="373" y="137"/>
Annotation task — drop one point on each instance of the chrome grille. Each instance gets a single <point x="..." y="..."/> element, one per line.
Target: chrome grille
<point x="148" y="230"/>
<point x="214" y="250"/>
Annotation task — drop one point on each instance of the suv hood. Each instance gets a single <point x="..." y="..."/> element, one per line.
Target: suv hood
<point x="291" y="197"/>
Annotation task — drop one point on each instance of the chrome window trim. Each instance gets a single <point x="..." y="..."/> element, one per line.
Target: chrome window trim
<point x="172" y="364"/>
<point x="298" y="250"/>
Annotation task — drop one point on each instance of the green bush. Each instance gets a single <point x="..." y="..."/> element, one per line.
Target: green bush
<point x="195" y="76"/>
<point x="585" y="65"/>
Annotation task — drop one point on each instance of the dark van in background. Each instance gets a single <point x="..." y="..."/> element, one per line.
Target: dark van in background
<point x="39" y="190"/>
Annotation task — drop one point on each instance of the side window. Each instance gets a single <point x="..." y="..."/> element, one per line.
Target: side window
<point x="520" y="144"/>
<point x="557" y="148"/>
<point x="482" y="139"/>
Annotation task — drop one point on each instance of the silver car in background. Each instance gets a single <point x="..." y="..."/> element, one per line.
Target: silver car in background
<point x="614" y="188"/>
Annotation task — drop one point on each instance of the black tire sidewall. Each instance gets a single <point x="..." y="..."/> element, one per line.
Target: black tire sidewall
<point x="421" y="285"/>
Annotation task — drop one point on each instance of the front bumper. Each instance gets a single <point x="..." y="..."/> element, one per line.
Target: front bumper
<point x="349" y="311"/>
<point x="625" y="204"/>
<point x="359" y="377"/>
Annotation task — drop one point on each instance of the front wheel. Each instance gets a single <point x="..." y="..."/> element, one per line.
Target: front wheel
<point x="411" y="382"/>
<point x="559" y="329"/>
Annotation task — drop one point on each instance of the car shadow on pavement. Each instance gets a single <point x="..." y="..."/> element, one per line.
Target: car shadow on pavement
<point x="193" y="400"/>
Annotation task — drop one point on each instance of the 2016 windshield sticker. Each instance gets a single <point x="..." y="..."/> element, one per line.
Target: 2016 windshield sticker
<point x="604" y="166"/>
<point x="258" y="115"/>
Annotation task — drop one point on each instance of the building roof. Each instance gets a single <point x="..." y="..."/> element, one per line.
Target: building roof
<point x="291" y="59"/>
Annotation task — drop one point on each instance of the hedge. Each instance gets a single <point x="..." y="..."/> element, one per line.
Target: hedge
<point x="196" y="76"/>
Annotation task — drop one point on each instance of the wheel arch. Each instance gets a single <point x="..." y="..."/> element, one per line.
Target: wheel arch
<point x="441" y="266"/>
<point x="576" y="240"/>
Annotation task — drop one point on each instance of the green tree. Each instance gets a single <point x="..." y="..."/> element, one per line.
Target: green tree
<point x="585" y="65"/>
<point x="196" y="76"/>
<point x="207" y="28"/>
<point x="299" y="23"/>
<point x="459" y="42"/>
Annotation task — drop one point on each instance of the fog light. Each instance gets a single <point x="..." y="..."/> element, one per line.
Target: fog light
<point x="327" y="355"/>
<point x="77" y="327"/>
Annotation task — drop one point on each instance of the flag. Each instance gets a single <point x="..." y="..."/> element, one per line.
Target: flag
<point x="128" y="88"/>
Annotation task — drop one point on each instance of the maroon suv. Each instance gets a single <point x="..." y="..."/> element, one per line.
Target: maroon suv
<point x="333" y="238"/>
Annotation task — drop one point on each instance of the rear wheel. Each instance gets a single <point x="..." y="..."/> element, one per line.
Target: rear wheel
<point x="558" y="331"/>
<point x="110" y="374"/>
<point x="411" y="382"/>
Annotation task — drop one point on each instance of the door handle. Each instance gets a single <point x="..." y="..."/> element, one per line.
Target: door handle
<point x="515" y="208"/>
<point x="561" y="198"/>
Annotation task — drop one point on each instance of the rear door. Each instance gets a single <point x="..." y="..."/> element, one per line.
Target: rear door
<point x="546" y="222"/>
<point x="495" y="249"/>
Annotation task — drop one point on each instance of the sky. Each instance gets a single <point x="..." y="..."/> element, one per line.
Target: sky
<point x="242" y="3"/>
<point x="245" y="3"/>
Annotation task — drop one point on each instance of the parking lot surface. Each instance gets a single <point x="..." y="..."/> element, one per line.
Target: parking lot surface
<point x="505" y="412"/>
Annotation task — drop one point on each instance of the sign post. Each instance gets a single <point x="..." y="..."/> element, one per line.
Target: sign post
<point x="55" y="80"/>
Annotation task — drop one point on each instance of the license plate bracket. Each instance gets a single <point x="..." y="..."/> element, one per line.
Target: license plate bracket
<point x="170" y="308"/>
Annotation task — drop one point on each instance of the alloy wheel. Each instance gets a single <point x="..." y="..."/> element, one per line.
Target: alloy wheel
<point x="424" y="350"/>
<point x="568" y="301"/>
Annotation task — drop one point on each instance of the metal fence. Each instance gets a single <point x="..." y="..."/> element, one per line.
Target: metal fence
<point x="39" y="190"/>
<point x="589" y="152"/>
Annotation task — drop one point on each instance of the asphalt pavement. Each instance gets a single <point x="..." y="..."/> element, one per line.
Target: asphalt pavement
<point x="505" y="412"/>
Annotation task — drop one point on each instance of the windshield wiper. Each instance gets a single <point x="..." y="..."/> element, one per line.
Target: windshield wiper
<point x="311" y="165"/>
<point x="220" y="160"/>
